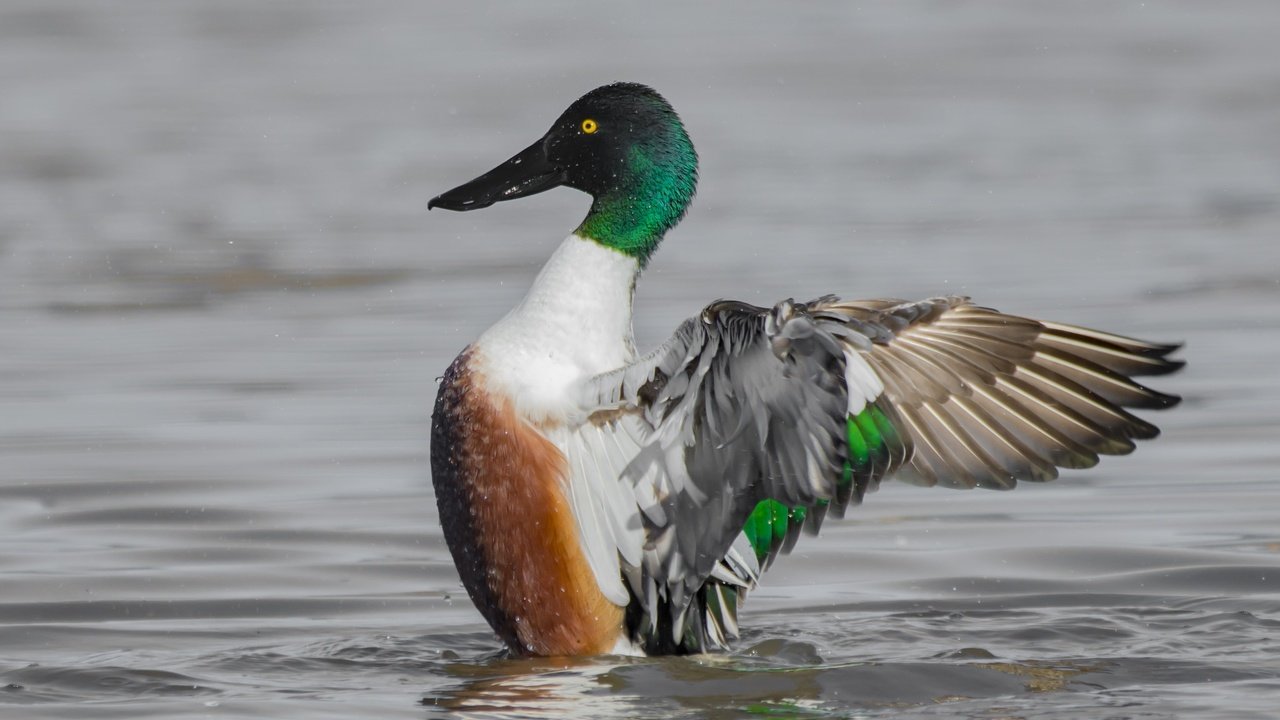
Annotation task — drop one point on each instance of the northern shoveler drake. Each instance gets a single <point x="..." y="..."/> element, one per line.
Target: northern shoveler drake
<point x="598" y="501"/>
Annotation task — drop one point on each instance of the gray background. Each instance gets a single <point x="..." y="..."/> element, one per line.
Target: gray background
<point x="223" y="308"/>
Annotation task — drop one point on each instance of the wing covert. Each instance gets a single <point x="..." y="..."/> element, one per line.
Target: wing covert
<point x="741" y="405"/>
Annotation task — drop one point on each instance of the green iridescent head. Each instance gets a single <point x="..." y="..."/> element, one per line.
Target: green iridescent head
<point x="622" y="144"/>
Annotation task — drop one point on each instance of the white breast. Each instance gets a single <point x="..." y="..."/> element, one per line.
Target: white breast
<point x="574" y="323"/>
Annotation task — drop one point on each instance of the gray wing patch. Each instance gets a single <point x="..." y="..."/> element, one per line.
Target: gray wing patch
<point x="741" y="404"/>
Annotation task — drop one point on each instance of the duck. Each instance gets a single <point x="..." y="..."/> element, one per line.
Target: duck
<point x="600" y="501"/>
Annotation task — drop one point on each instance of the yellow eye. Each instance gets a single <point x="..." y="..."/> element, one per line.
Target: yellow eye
<point x="589" y="126"/>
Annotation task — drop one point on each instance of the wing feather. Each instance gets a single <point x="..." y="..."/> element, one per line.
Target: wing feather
<point x="811" y="404"/>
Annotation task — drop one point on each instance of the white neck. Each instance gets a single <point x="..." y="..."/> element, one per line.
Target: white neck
<point x="575" y="322"/>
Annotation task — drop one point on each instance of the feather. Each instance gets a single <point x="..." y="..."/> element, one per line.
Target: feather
<point x="811" y="405"/>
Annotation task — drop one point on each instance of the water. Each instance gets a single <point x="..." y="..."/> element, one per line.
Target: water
<point x="223" y="307"/>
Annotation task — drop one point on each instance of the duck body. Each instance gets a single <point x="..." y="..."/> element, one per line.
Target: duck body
<point x="598" y="501"/>
<point x="501" y="477"/>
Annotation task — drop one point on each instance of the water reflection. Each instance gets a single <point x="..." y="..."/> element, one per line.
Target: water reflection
<point x="536" y="688"/>
<point x="759" y="681"/>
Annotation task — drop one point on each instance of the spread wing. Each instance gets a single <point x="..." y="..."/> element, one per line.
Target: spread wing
<point x="989" y="399"/>
<point x="764" y="419"/>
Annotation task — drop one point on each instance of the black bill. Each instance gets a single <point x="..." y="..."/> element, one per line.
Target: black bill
<point x="528" y="173"/>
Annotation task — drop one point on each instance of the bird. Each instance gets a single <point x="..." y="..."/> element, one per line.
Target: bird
<point x="600" y="501"/>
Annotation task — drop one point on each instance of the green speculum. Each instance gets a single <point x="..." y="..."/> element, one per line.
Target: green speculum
<point x="867" y="432"/>
<point x="767" y="526"/>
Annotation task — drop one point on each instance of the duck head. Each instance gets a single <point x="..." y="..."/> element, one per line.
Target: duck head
<point x="622" y="144"/>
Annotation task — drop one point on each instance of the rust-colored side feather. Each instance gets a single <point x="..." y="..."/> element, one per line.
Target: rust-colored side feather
<point x="527" y="573"/>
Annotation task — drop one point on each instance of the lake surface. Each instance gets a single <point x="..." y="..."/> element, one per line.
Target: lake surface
<point x="223" y="308"/>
